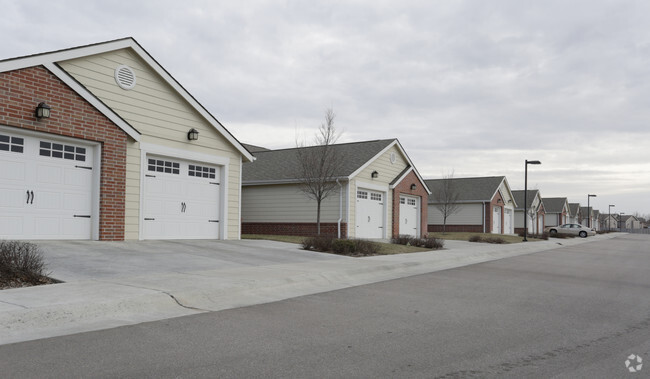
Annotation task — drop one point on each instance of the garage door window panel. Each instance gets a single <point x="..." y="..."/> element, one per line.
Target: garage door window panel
<point x="201" y="171"/>
<point x="58" y="150"/>
<point x="13" y="144"/>
<point x="168" y="167"/>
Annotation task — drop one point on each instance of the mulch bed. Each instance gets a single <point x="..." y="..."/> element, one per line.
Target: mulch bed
<point x="9" y="283"/>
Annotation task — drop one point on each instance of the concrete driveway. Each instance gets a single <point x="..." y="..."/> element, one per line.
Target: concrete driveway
<point x="85" y="260"/>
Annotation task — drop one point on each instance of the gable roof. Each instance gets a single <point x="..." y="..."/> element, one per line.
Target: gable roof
<point x="585" y="211"/>
<point x="530" y="197"/>
<point x="49" y="60"/>
<point x="281" y="166"/>
<point x="469" y="189"/>
<point x="554" y="204"/>
<point x="574" y="208"/>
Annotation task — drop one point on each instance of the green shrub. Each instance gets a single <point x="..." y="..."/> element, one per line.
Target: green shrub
<point x="343" y="247"/>
<point x="402" y="239"/>
<point x="431" y="243"/>
<point x="318" y="243"/>
<point x="366" y="248"/>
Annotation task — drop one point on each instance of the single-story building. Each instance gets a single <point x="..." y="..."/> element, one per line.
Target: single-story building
<point x="608" y="221"/>
<point x="486" y="205"/>
<point x="587" y="217"/>
<point x="557" y="211"/>
<point x="100" y="142"/>
<point x="380" y="194"/>
<point x="536" y="212"/>
<point x="575" y="217"/>
<point x="629" y="222"/>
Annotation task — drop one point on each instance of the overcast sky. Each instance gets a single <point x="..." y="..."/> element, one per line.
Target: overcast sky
<point x="473" y="87"/>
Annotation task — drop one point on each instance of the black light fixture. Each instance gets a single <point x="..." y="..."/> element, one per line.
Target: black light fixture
<point x="374" y="175"/>
<point x="526" y="197"/>
<point x="589" y="211"/>
<point x="43" y="111"/>
<point x="413" y="187"/>
<point x="193" y="134"/>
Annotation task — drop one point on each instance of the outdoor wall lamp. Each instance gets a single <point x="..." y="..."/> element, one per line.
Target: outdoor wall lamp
<point x="526" y="197"/>
<point x="193" y="134"/>
<point x="43" y="111"/>
<point x="413" y="187"/>
<point x="374" y="175"/>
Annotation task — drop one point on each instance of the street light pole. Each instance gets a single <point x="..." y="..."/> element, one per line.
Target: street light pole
<point x="526" y="196"/>
<point x="589" y="211"/>
<point x="609" y="218"/>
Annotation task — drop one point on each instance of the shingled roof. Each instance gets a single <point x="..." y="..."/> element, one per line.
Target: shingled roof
<point x="282" y="165"/>
<point x="469" y="189"/>
<point x="530" y="196"/>
<point x="554" y="204"/>
<point x="574" y="208"/>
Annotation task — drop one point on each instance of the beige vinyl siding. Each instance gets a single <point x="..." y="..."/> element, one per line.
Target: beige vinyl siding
<point x="387" y="173"/>
<point x="132" y="201"/>
<point x="286" y="203"/>
<point x="163" y="118"/>
<point x="468" y="214"/>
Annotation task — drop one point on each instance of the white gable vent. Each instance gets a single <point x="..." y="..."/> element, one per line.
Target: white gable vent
<point x="125" y="77"/>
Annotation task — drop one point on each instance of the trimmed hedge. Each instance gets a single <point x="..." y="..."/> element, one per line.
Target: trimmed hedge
<point x="349" y="247"/>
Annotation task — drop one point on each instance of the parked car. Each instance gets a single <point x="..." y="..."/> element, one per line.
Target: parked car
<point x="571" y="229"/>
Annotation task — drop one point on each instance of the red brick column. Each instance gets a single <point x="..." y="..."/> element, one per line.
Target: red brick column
<point x="404" y="188"/>
<point x="72" y="116"/>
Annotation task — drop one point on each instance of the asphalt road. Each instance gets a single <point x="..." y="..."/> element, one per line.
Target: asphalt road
<point x="572" y="312"/>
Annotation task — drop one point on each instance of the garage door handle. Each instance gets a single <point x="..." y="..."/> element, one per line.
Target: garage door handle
<point x="27" y="196"/>
<point x="82" y="216"/>
<point x="213" y="220"/>
<point x="32" y="201"/>
<point x="149" y="219"/>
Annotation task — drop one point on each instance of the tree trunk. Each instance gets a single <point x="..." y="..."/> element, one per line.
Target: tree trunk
<point x="318" y="217"/>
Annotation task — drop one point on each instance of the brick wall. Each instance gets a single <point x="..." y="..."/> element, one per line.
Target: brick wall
<point x="497" y="201"/>
<point x="71" y="116"/>
<point x="456" y="228"/>
<point x="404" y="188"/>
<point x="293" y="228"/>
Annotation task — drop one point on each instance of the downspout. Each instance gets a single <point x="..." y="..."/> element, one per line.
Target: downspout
<point x="338" y="226"/>
<point x="483" y="208"/>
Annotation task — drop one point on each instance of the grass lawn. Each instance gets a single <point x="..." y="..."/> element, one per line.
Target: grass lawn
<point x="464" y="236"/>
<point x="385" y="248"/>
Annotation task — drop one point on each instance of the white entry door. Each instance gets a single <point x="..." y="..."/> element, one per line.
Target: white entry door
<point x="409" y="212"/>
<point x="46" y="188"/>
<point x="496" y="220"/>
<point x="370" y="214"/>
<point x="181" y="199"/>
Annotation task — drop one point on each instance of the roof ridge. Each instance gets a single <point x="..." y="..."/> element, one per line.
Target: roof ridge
<point x="336" y="144"/>
<point x="67" y="49"/>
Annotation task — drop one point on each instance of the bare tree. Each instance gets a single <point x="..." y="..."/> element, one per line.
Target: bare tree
<point x="319" y="165"/>
<point x="446" y="198"/>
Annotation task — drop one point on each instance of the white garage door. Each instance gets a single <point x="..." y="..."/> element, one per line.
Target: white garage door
<point x="507" y="221"/>
<point x="370" y="214"/>
<point x="181" y="199"/>
<point x="46" y="188"/>
<point x="496" y="220"/>
<point x="409" y="211"/>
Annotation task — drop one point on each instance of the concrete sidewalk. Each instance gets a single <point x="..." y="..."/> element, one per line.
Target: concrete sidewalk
<point x="106" y="302"/>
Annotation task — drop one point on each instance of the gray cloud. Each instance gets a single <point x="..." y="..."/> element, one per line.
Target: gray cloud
<point x="471" y="85"/>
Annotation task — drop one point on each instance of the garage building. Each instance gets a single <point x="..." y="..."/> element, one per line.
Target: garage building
<point x="101" y="142"/>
